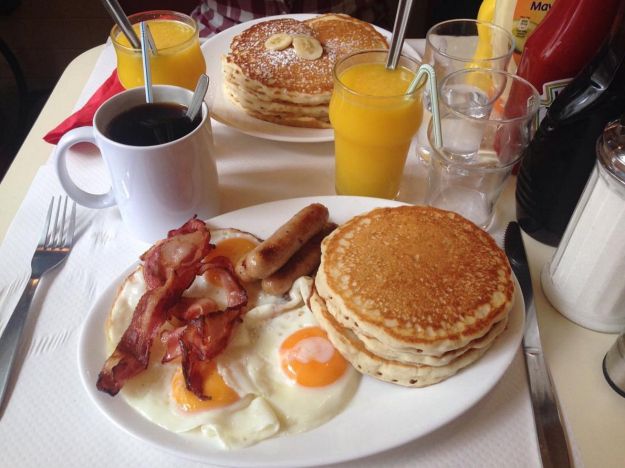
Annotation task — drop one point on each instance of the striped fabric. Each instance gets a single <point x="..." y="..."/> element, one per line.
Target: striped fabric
<point x="214" y="16"/>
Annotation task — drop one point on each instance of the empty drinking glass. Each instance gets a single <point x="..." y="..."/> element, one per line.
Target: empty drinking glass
<point x="487" y="120"/>
<point x="457" y="45"/>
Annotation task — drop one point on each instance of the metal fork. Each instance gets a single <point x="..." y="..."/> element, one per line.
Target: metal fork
<point x="53" y="248"/>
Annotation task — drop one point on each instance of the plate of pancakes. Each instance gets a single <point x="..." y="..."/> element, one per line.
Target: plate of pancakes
<point x="275" y="94"/>
<point x="385" y="257"/>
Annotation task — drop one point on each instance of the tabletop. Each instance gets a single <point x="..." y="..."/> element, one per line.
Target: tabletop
<point x="594" y="414"/>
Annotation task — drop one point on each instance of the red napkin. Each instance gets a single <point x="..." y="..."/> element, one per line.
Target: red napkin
<point x="84" y="116"/>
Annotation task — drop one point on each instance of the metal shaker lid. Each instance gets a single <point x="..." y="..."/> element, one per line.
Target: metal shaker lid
<point x="611" y="149"/>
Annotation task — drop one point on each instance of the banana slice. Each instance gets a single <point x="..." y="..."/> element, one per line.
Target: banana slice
<point x="307" y="47"/>
<point x="278" y="41"/>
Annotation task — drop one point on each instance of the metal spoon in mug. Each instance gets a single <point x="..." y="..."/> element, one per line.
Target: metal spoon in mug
<point x="198" y="97"/>
<point x="146" y="39"/>
<point x="399" y="31"/>
<point x="117" y="13"/>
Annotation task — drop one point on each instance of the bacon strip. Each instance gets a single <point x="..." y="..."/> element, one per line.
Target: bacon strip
<point x="190" y="308"/>
<point x="132" y="353"/>
<point x="190" y="226"/>
<point x="202" y="340"/>
<point x="205" y="337"/>
<point x="171" y="340"/>
<point x="177" y="263"/>
<point x="221" y="266"/>
<point x="165" y="255"/>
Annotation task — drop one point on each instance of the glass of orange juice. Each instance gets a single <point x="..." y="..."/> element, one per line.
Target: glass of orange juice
<point x="374" y="116"/>
<point x="178" y="61"/>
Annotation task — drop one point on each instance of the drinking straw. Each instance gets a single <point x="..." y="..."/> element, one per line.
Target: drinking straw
<point x="117" y="13"/>
<point x="399" y="31"/>
<point x="150" y="40"/>
<point x="145" y="55"/>
<point x="426" y="72"/>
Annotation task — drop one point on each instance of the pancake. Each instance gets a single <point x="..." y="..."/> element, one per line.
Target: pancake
<point x="280" y="70"/>
<point x="341" y="35"/>
<point x="413" y="356"/>
<point x="273" y="110"/>
<point x="415" y="278"/>
<point x="281" y="87"/>
<point x="366" y="362"/>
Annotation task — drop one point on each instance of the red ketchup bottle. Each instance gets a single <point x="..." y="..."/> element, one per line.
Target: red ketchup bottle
<point x="563" y="43"/>
<point x="560" y="157"/>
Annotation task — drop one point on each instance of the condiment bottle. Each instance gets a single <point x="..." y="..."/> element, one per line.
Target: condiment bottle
<point x="519" y="17"/>
<point x="560" y="157"/>
<point x="585" y="279"/>
<point x="564" y="42"/>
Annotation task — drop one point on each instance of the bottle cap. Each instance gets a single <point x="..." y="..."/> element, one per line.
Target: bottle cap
<point x="614" y="365"/>
<point x="611" y="149"/>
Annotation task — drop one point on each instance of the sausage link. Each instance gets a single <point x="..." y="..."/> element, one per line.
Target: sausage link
<point x="303" y="262"/>
<point x="275" y="251"/>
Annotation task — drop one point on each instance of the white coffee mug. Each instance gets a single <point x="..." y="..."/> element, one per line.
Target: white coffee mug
<point x="156" y="188"/>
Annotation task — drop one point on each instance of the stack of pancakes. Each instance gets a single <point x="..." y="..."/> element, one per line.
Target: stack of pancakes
<point x="411" y="295"/>
<point x="281" y="87"/>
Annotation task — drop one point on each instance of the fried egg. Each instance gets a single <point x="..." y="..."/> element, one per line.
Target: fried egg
<point x="288" y="360"/>
<point x="279" y="373"/>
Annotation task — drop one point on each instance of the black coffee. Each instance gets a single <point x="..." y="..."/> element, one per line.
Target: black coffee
<point x="151" y="124"/>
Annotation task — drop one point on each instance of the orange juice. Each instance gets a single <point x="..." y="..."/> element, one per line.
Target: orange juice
<point x="374" y="122"/>
<point x="179" y="60"/>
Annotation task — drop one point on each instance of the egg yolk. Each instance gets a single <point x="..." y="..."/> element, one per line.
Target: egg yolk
<point x="308" y="358"/>
<point x="233" y="248"/>
<point x="214" y="387"/>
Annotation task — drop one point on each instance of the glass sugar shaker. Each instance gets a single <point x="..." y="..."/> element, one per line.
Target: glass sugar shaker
<point x="585" y="279"/>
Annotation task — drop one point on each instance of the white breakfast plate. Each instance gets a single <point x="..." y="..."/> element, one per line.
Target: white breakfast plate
<point x="379" y="417"/>
<point x="228" y="113"/>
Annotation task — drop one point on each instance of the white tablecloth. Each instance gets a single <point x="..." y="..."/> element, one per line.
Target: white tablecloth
<point x="49" y="420"/>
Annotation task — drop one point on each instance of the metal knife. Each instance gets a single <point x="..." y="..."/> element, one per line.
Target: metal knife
<point x="551" y="437"/>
